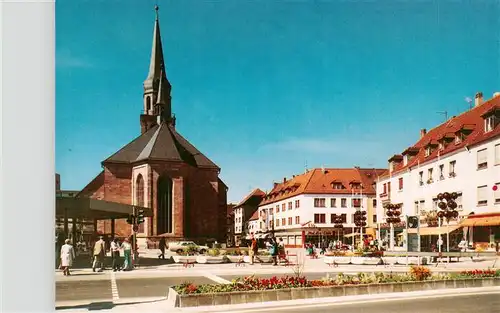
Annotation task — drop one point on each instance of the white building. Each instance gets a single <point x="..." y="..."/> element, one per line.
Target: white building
<point x="243" y="211"/>
<point x="461" y="155"/>
<point x="301" y="209"/>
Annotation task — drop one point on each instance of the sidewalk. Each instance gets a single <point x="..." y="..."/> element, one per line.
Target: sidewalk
<point x="309" y="266"/>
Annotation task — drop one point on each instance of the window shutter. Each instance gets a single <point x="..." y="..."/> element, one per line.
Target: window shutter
<point x="482" y="156"/>
<point x="482" y="193"/>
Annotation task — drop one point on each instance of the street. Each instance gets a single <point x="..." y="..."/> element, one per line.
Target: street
<point x="487" y="303"/>
<point x="99" y="288"/>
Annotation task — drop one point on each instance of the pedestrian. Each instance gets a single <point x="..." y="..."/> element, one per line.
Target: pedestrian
<point x="67" y="257"/>
<point x="127" y="252"/>
<point x="115" y="254"/>
<point x="274" y="251"/>
<point x="253" y="250"/>
<point x="162" y="246"/>
<point x="281" y="250"/>
<point x="99" y="252"/>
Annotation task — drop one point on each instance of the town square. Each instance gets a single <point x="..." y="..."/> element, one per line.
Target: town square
<point x="268" y="156"/>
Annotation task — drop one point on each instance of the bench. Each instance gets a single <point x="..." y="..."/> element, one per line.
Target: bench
<point x="188" y="264"/>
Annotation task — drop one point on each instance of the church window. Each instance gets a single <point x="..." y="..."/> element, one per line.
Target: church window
<point x="139" y="197"/>
<point x="164" y="218"/>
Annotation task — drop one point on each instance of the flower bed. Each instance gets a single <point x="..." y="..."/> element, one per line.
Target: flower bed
<point x="252" y="289"/>
<point x="249" y="283"/>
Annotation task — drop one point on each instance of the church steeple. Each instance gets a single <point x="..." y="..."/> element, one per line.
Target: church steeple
<point x="156" y="86"/>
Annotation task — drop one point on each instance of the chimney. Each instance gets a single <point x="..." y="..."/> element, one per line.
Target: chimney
<point x="496" y="94"/>
<point x="275" y="184"/>
<point x="284" y="180"/>
<point x="478" y="99"/>
<point x="423" y="131"/>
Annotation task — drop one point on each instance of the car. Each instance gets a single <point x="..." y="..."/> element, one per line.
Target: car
<point x="179" y="246"/>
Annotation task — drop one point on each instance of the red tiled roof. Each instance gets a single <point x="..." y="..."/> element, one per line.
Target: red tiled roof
<point x="319" y="181"/>
<point x="471" y="121"/>
<point x="255" y="216"/>
<point x="257" y="193"/>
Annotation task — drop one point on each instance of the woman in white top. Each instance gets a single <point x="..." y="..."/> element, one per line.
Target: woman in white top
<point x="127" y="252"/>
<point x="67" y="257"/>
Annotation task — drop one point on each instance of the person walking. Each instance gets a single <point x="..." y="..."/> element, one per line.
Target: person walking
<point x="252" y="252"/>
<point x="115" y="254"/>
<point x="274" y="251"/>
<point x="162" y="246"/>
<point x="127" y="252"/>
<point x="67" y="257"/>
<point x="99" y="251"/>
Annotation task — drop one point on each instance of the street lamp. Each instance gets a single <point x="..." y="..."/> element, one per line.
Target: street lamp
<point x="393" y="212"/>
<point x="447" y="206"/>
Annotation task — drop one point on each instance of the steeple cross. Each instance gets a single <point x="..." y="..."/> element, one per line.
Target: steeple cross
<point x="156" y="10"/>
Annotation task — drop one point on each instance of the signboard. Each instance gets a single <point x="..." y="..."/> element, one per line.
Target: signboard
<point x="412" y="243"/>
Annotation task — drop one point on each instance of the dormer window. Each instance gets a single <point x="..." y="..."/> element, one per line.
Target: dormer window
<point x="441" y="145"/>
<point x="491" y="119"/>
<point x="458" y="138"/>
<point x="428" y="151"/>
<point x="490" y="123"/>
<point x="355" y="185"/>
<point x="337" y="185"/>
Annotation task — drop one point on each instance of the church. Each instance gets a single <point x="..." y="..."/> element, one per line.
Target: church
<point x="162" y="170"/>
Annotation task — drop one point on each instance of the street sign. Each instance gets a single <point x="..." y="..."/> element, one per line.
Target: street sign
<point x="135" y="228"/>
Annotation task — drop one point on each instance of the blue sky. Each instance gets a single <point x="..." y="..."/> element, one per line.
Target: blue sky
<point x="264" y="87"/>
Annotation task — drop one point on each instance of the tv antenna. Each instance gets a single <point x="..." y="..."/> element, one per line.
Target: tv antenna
<point x="445" y="113"/>
<point x="469" y="101"/>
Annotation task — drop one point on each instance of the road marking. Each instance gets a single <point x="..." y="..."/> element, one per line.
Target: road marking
<point x="356" y="300"/>
<point x="216" y="279"/>
<point x="114" y="287"/>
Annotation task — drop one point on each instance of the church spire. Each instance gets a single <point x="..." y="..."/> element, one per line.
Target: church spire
<point x="156" y="62"/>
<point x="156" y="86"/>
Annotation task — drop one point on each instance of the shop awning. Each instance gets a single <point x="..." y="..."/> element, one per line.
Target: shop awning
<point x="434" y="231"/>
<point x="492" y="219"/>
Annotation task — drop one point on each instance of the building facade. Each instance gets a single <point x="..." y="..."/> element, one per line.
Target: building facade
<point x="302" y="208"/>
<point x="461" y="155"/>
<point x="243" y="211"/>
<point x="162" y="170"/>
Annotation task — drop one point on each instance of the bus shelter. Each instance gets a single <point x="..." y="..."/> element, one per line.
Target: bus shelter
<point x="93" y="209"/>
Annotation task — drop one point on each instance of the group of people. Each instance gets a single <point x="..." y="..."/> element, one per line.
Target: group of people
<point x="276" y="250"/>
<point x="68" y="255"/>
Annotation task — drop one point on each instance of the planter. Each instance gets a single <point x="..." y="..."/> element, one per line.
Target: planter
<point x="358" y="260"/>
<point x="391" y="260"/>
<point x="371" y="260"/>
<point x="239" y="297"/>
<point x="234" y="258"/>
<point x="337" y="259"/>
<point x="184" y="258"/>
<point x="265" y="258"/>
<point x="206" y="259"/>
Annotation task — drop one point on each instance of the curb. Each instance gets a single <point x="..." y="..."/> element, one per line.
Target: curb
<point x="343" y="300"/>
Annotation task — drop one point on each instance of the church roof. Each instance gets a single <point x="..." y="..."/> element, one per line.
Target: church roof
<point x="161" y="143"/>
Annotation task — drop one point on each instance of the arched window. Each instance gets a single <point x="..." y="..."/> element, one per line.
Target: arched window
<point x="148" y="104"/>
<point x="164" y="221"/>
<point x="139" y="196"/>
